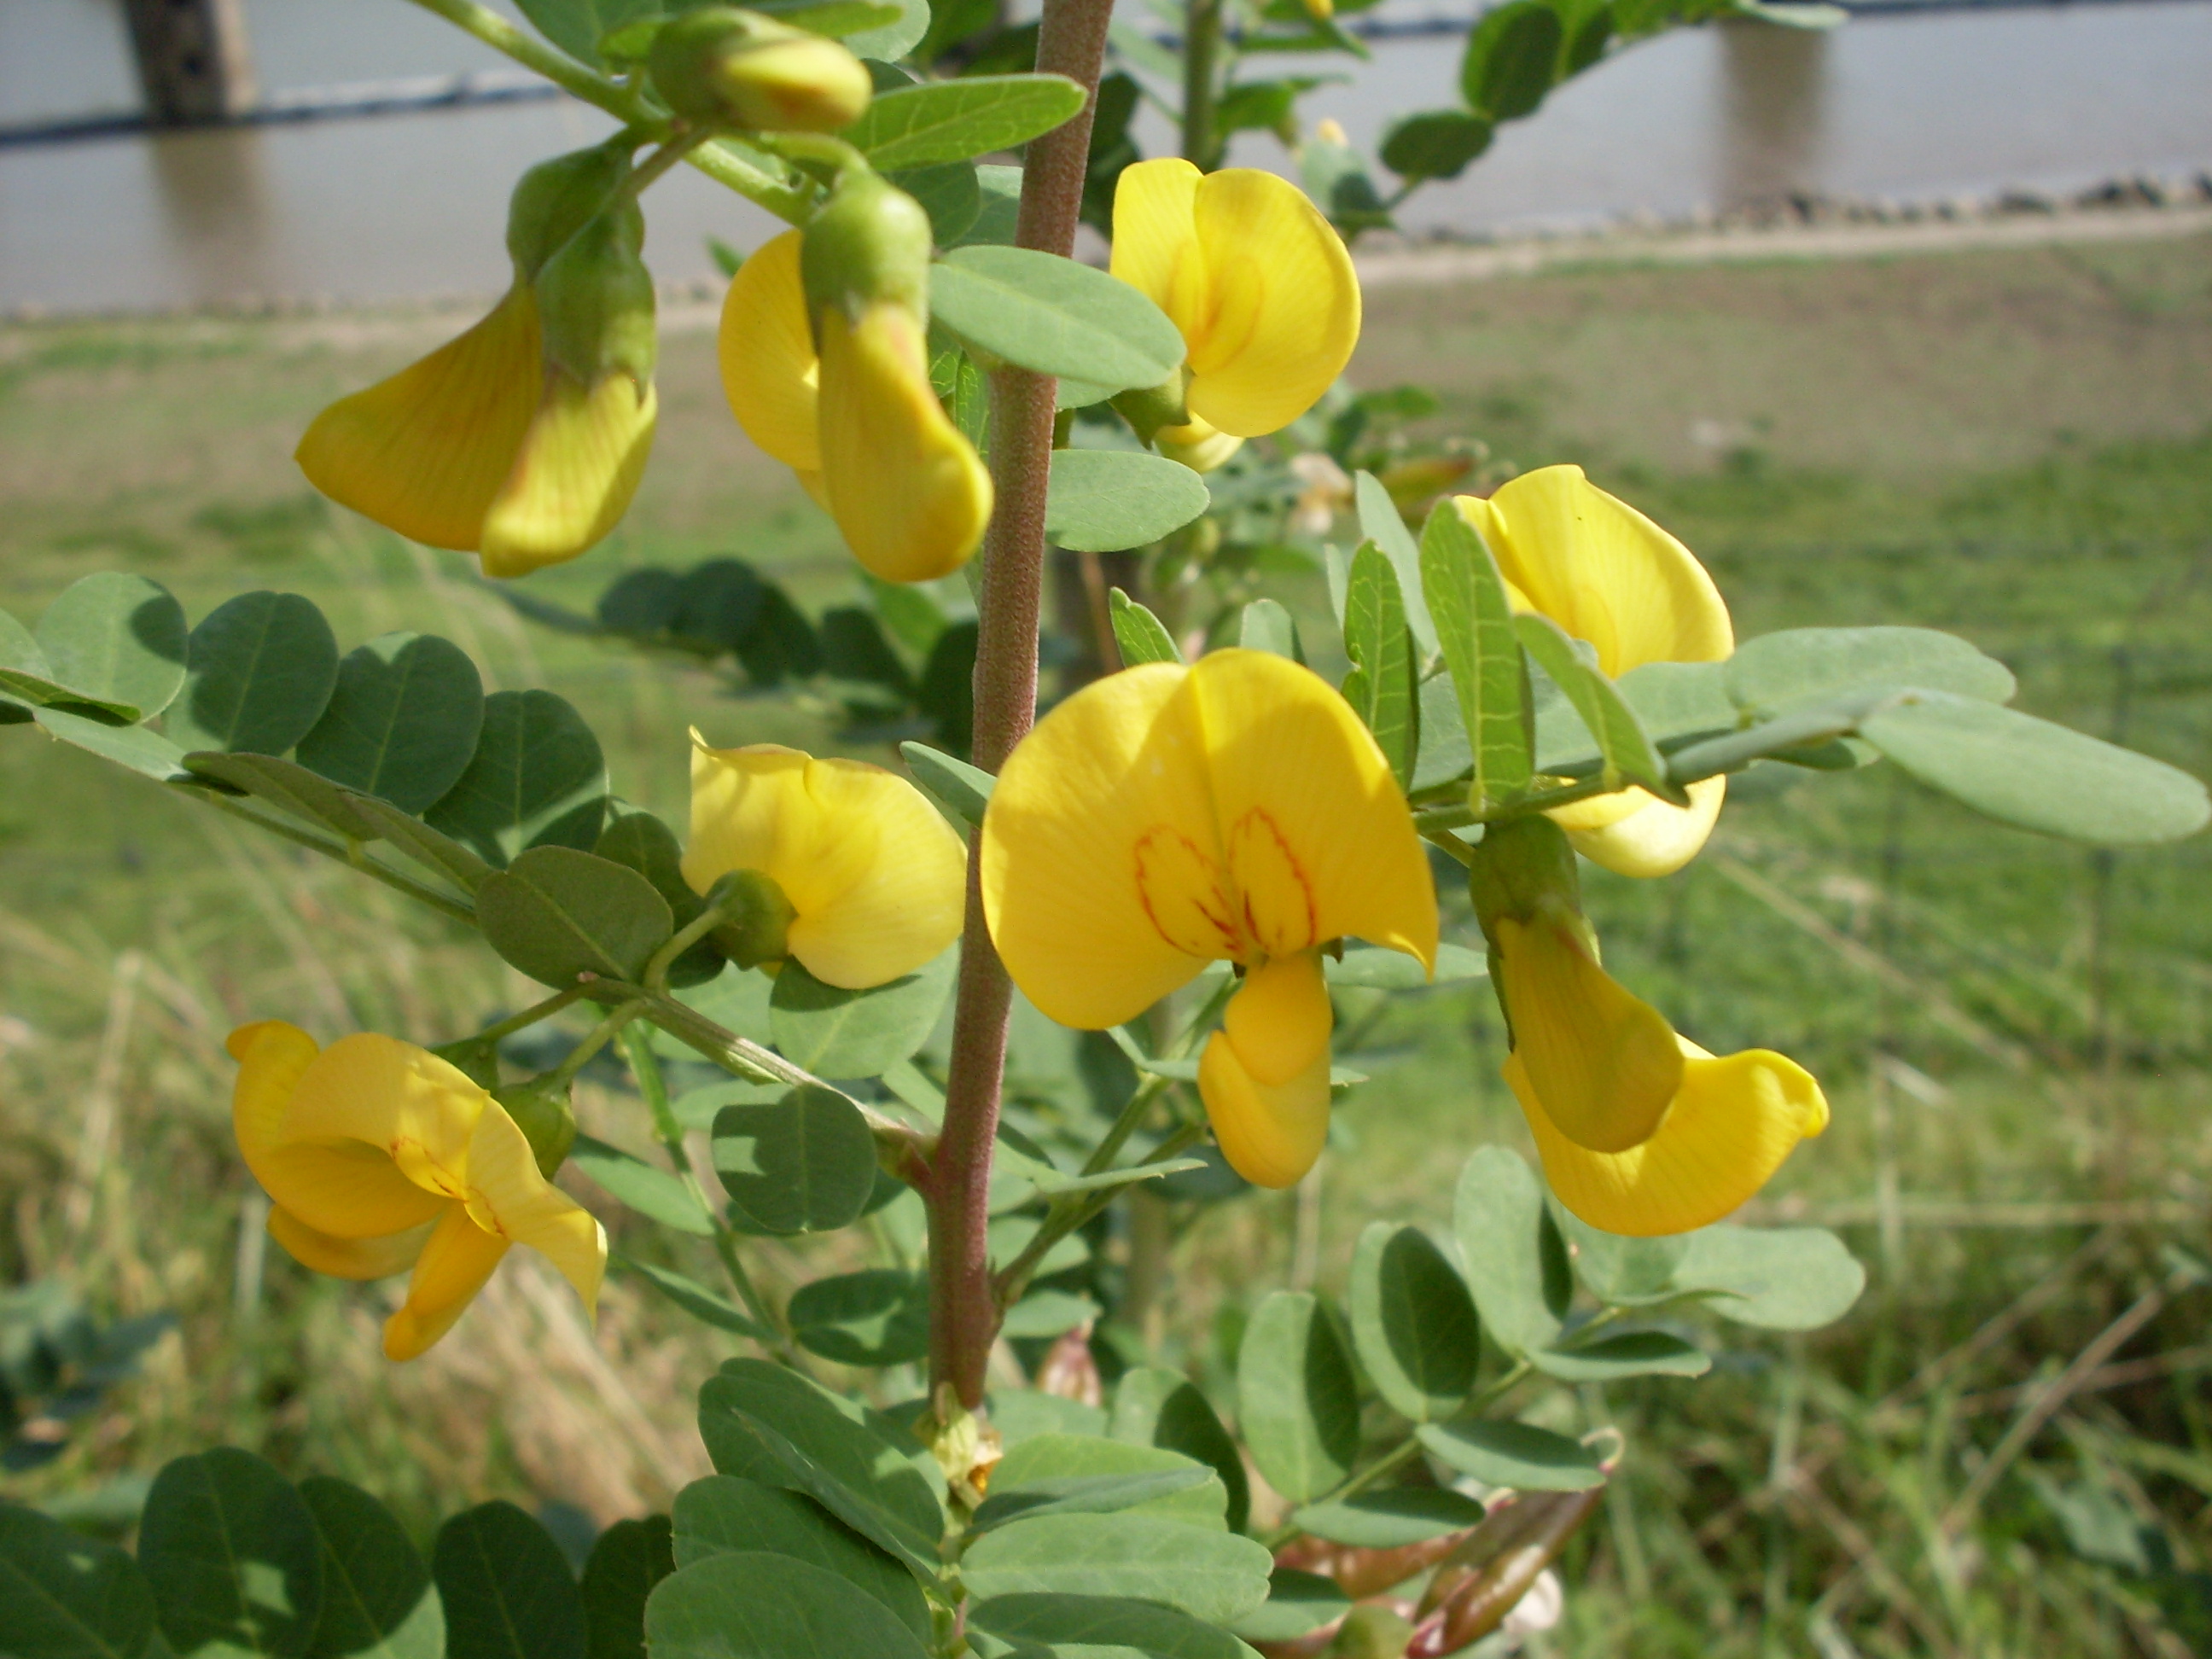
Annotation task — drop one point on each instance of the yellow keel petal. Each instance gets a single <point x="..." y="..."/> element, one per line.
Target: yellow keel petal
<point x="346" y="1258"/>
<point x="770" y="373"/>
<point x="458" y="1261"/>
<point x="575" y="473"/>
<point x="1280" y="1019"/>
<point x="1271" y="1136"/>
<point x="1657" y="838"/>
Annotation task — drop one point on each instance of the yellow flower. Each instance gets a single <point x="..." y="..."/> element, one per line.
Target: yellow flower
<point x="378" y="1155"/>
<point x="1608" y="576"/>
<point x="1641" y="1131"/>
<point x="485" y="448"/>
<point x="876" y="878"/>
<point x="1253" y="276"/>
<point x="857" y="420"/>
<point x="1165" y="817"/>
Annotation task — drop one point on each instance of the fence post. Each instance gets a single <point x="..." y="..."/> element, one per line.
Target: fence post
<point x="194" y="60"/>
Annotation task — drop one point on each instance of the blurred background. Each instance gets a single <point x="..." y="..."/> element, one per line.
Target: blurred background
<point x="1910" y="321"/>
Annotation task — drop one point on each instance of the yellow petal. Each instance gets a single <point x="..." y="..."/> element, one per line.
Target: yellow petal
<point x="509" y="1197"/>
<point x="906" y="489"/>
<point x="1283" y="300"/>
<point x="769" y="372"/>
<point x="1280" y="1019"/>
<point x="456" y="1263"/>
<point x="1657" y="838"/>
<point x="427" y="450"/>
<point x="272" y="1056"/>
<point x="577" y="468"/>
<point x="877" y="878"/>
<point x="1271" y="1136"/>
<point x="1731" y="1125"/>
<point x="1318" y="841"/>
<point x="375" y="1140"/>
<point x="1602" y="1064"/>
<point x="1156" y="239"/>
<point x="1197" y="446"/>
<point x="1116" y="769"/>
<point x="1602" y="570"/>
<point x="346" y="1258"/>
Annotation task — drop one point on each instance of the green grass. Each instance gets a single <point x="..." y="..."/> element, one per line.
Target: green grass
<point x="2013" y="1033"/>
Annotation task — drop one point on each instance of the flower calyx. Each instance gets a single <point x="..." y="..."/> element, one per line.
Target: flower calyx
<point x="724" y="66"/>
<point x="869" y="246"/>
<point x="541" y="1110"/>
<point x="756" y="928"/>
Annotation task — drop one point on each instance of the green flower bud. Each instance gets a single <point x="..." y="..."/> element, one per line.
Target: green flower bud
<point x="542" y="1112"/>
<point x="553" y="199"/>
<point x="722" y="67"/>
<point x="759" y="918"/>
<point x="1371" y="1632"/>
<point x="869" y="245"/>
<point x="595" y="299"/>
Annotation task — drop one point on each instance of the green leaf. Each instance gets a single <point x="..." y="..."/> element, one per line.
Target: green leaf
<point x="1267" y="626"/>
<point x="1411" y="1322"/>
<point x="963" y="788"/>
<point x="946" y="693"/>
<point x="806" y="1163"/>
<point x="1002" y="198"/>
<point x="1502" y="1452"/>
<point x="1517" y="1266"/>
<point x="1631" y="1353"/>
<point x="638" y="840"/>
<point x="1373" y="968"/>
<point x="64" y="1596"/>
<point x="1380" y="523"/>
<point x="537" y="779"/>
<point x="259" y="670"/>
<point x="378" y="1600"/>
<point x="1141" y="636"/>
<point x="695" y="1299"/>
<point x="1075" y="1473"/>
<point x="629" y="1560"/>
<point x="556" y="913"/>
<point x="836" y="1033"/>
<point x="1100" y="1627"/>
<point x="1296" y="1401"/>
<point x="948" y="193"/>
<point x="1052" y="315"/>
<point x="577" y="27"/>
<point x="943" y="121"/>
<point x="1213" y="1576"/>
<point x="233" y="1556"/>
<point x="838" y="18"/>
<point x="1155" y="1407"/>
<point x="1445" y="756"/>
<point x="403" y="721"/>
<point x="645" y="1188"/>
<point x="1619" y="1270"/>
<point x="1048" y="1314"/>
<point x="1384" y="687"/>
<point x="724" y="1512"/>
<point x="414" y="838"/>
<point x="747" y="1604"/>
<point x="1101" y="501"/>
<point x="508" y="1589"/>
<point x="772" y="1426"/>
<point x="1777" y="672"/>
<point x="1482" y="648"/>
<point x="2028" y="773"/>
<point x="1434" y="144"/>
<point x="878" y="1316"/>
<point x="1628" y="755"/>
<point x="132" y="746"/>
<point x="117" y="641"/>
<point x="1391" y="1519"/>
<point x="893" y="41"/>
<point x="1298" y="1604"/>
<point x="1512" y="54"/>
<point x="1783" y="1278"/>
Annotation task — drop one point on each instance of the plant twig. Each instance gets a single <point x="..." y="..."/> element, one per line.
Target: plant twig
<point x="345" y="853"/>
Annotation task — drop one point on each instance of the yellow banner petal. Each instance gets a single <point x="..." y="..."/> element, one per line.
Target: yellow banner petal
<point x="426" y="451"/>
<point x="458" y="1261"/>
<point x="272" y="1057"/>
<point x="1118" y="767"/>
<point x="346" y="1258"/>
<point x="1280" y="1019"/>
<point x="1602" y="1064"/>
<point x="1156" y="240"/>
<point x="1271" y="1136"/>
<point x="509" y="1197"/>
<point x="375" y="1140"/>
<point x="575" y="473"/>
<point x="770" y="373"/>
<point x="905" y="903"/>
<point x="1730" y="1127"/>
<point x="906" y="489"/>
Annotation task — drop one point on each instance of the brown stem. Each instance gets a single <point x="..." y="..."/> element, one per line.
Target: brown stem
<point x="964" y="1315"/>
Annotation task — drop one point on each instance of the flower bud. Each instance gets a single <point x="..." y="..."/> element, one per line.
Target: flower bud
<point x="541" y="1110"/>
<point x="757" y="929"/>
<point x="723" y="67"/>
<point x="553" y="199"/>
<point x="869" y="245"/>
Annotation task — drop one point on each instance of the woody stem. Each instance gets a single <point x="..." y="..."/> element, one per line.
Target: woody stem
<point x="963" y="1315"/>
